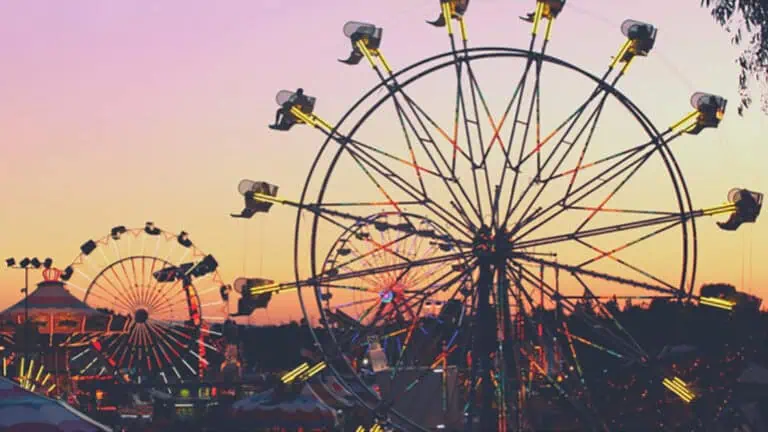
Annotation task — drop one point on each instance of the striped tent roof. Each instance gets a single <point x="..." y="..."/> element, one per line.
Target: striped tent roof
<point x="51" y="297"/>
<point x="24" y="411"/>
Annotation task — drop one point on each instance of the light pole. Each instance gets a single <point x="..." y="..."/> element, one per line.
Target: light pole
<point x="25" y="265"/>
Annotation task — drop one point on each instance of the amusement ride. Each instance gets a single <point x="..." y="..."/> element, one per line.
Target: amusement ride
<point x="455" y="240"/>
<point x="456" y="243"/>
<point x="162" y="295"/>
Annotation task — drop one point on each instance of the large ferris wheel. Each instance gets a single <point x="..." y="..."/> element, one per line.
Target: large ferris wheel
<point x="451" y="205"/>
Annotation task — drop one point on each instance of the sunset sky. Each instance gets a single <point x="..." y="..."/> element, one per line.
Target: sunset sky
<point x="117" y="113"/>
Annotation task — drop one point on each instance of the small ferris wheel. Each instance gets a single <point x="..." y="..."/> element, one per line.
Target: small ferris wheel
<point x="163" y="295"/>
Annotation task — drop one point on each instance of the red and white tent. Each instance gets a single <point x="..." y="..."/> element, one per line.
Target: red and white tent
<point x="24" y="411"/>
<point x="53" y="309"/>
<point x="269" y="409"/>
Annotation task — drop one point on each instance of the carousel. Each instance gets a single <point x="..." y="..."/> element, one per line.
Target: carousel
<point x="38" y="330"/>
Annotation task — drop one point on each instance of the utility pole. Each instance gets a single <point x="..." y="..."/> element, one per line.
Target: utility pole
<point x="25" y="264"/>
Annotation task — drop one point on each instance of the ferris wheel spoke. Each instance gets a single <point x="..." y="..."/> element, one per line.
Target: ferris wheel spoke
<point x="627" y="348"/>
<point x="370" y="281"/>
<point x="366" y="256"/>
<point x="604" y="276"/>
<point x="181" y="293"/>
<point x="327" y="213"/>
<point x="523" y="276"/>
<point x="601" y="89"/>
<point x="521" y="158"/>
<point x="514" y="102"/>
<point x="170" y="330"/>
<point x="396" y="88"/>
<point x="425" y="121"/>
<point x="417" y="243"/>
<point x="628" y="166"/>
<point x="390" y="268"/>
<point x="405" y="346"/>
<point x="170" y="307"/>
<point x="179" y="358"/>
<point x="356" y="303"/>
<point x="611" y="254"/>
<point x="461" y="107"/>
<point x="116" y="296"/>
<point x="435" y="285"/>
<point x="135" y="279"/>
<point x="117" y="293"/>
<point x="125" y="276"/>
<point x="666" y="222"/>
<point x="126" y="290"/>
<point x="383" y="305"/>
<point x="420" y="278"/>
<point x="364" y="158"/>
<point x="417" y="296"/>
<point x="147" y="286"/>
<point x="609" y="196"/>
<point x="178" y="304"/>
<point x="422" y="118"/>
<point x="519" y="279"/>
<point x="477" y="93"/>
<point x="107" y="301"/>
<point x="387" y="247"/>
<point x="421" y="298"/>
<point x="164" y="339"/>
<point x="596" y="163"/>
<point x="347" y="287"/>
<point x="568" y="125"/>
<point x="130" y="347"/>
<point x="159" y="302"/>
<point x="153" y="283"/>
<point x="161" y="292"/>
<point x="162" y="350"/>
<point x="591" y="123"/>
<point x="361" y="146"/>
<point x="110" y="345"/>
<point x="630" y="163"/>
<point x="611" y="316"/>
<point x="174" y="289"/>
<point x="167" y="330"/>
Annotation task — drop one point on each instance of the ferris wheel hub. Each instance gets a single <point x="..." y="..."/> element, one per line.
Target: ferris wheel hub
<point x="492" y="244"/>
<point x="141" y="315"/>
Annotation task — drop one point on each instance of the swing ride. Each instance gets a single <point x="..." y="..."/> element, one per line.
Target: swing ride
<point x="490" y="242"/>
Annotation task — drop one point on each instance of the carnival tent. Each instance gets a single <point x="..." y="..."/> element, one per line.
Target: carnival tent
<point x="24" y="411"/>
<point x="52" y="308"/>
<point x="269" y="409"/>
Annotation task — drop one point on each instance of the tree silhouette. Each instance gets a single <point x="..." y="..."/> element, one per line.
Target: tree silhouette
<point x="747" y="22"/>
<point x="722" y="290"/>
